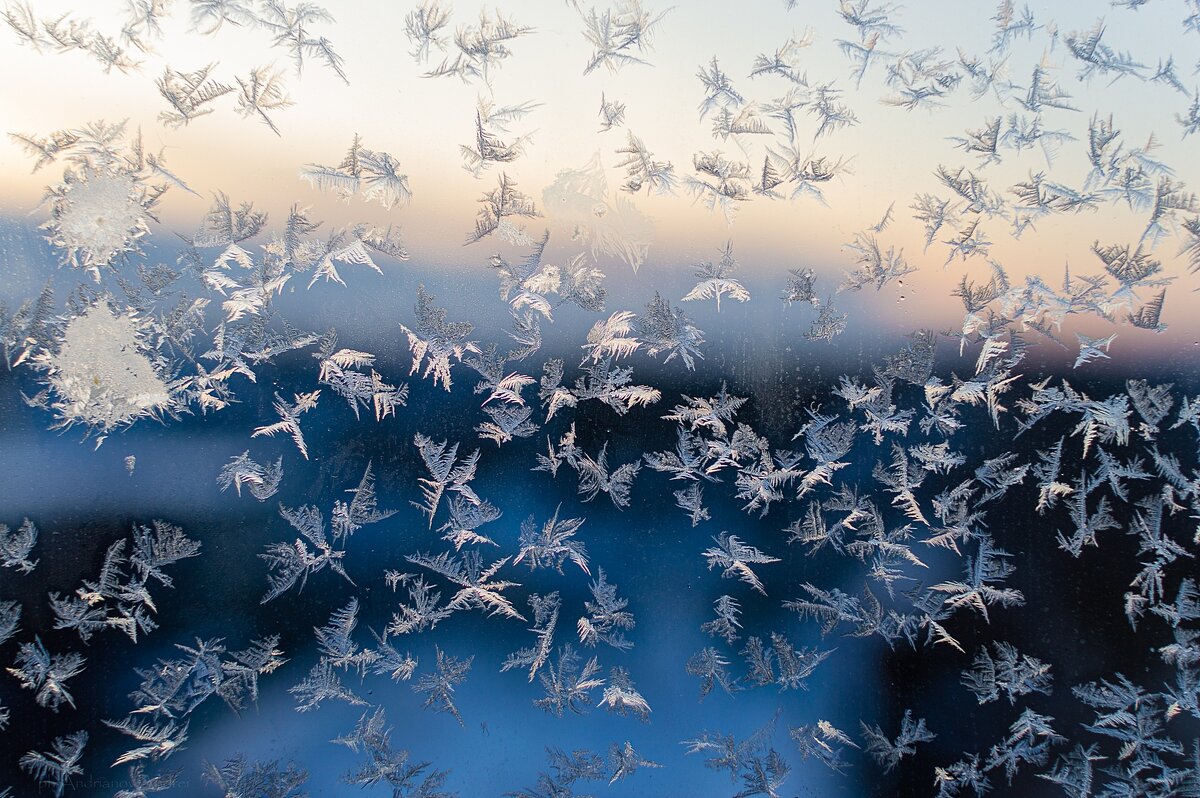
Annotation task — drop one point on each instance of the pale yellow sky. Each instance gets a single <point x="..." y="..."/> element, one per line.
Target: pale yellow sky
<point x="423" y="121"/>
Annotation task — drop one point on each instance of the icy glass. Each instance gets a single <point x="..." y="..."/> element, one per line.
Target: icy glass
<point x="599" y="398"/>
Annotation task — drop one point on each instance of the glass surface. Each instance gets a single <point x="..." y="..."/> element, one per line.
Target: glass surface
<point x="599" y="398"/>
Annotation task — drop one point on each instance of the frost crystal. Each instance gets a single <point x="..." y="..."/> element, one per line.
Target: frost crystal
<point x="98" y="217"/>
<point x="102" y="375"/>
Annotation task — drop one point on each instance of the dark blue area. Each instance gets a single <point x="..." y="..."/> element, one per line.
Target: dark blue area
<point x="82" y="500"/>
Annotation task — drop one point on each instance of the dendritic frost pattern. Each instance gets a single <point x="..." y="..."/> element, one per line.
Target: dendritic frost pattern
<point x="488" y="508"/>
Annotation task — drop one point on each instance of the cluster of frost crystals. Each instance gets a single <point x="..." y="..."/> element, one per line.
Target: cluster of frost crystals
<point x="96" y="216"/>
<point x="915" y="488"/>
<point x="103" y="203"/>
<point x="100" y="375"/>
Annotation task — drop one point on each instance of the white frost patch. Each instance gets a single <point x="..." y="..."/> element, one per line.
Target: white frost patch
<point x="99" y="218"/>
<point x="100" y="374"/>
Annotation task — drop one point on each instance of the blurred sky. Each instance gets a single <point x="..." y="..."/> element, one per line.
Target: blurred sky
<point x="422" y="121"/>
